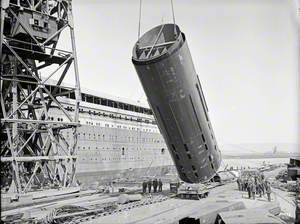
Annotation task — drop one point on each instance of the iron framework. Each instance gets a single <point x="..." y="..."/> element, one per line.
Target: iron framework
<point x="34" y="154"/>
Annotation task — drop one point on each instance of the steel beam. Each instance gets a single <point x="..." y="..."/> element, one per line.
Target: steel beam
<point x="36" y="158"/>
<point x="30" y="141"/>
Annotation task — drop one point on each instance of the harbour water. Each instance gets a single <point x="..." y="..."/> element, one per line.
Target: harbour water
<point x="252" y="163"/>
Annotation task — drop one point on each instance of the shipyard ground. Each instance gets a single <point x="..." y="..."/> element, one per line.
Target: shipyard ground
<point x="224" y="202"/>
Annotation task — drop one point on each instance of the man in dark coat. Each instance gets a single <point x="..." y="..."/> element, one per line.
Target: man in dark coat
<point x="149" y="186"/>
<point x="144" y="186"/>
<point x="253" y="188"/>
<point x="248" y="187"/>
<point x="155" y="183"/>
<point x="246" y="182"/>
<point x="239" y="183"/>
<point x="259" y="188"/>
<point x="160" y="184"/>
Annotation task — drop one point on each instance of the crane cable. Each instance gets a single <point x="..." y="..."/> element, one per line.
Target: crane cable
<point x="140" y="16"/>
<point x="173" y="12"/>
<point x="173" y="18"/>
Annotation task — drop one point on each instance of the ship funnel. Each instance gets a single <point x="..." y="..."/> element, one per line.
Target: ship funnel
<point x="165" y="68"/>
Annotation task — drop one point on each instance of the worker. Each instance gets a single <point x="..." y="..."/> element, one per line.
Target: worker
<point x="248" y="187"/>
<point x="242" y="184"/>
<point x="149" y="186"/>
<point x="155" y="183"/>
<point x="144" y="186"/>
<point x="246" y="182"/>
<point x="256" y="183"/>
<point x="268" y="190"/>
<point x="259" y="188"/>
<point x="253" y="189"/>
<point x="262" y="176"/>
<point x="239" y="183"/>
<point x="160" y="184"/>
<point x="263" y="187"/>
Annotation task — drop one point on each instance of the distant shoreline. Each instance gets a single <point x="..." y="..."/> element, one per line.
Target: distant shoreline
<point x="261" y="156"/>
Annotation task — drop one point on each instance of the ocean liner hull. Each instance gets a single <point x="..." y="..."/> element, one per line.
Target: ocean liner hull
<point x="117" y="139"/>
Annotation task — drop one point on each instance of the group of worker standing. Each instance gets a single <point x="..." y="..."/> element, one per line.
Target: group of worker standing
<point x="156" y="184"/>
<point x="255" y="185"/>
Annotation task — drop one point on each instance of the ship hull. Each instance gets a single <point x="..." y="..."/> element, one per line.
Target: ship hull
<point x="115" y="144"/>
<point x="135" y="175"/>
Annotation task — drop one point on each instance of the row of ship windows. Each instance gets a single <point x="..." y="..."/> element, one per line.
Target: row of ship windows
<point x="123" y="153"/>
<point x="103" y="101"/>
<point x="116" y="137"/>
<point x="109" y="125"/>
<point x="111" y="115"/>
<point x="112" y="159"/>
<point x="111" y="103"/>
<point x="120" y="126"/>
<point x="123" y="149"/>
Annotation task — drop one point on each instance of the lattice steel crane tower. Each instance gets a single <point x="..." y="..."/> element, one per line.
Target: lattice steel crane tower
<point x="33" y="152"/>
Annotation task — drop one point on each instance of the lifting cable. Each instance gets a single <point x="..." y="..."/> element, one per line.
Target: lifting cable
<point x="173" y="12"/>
<point x="173" y="18"/>
<point x="140" y="16"/>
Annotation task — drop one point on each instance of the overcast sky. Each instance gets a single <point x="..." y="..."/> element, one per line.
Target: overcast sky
<point x="246" y="53"/>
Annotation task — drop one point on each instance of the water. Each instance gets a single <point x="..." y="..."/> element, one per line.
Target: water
<point x="252" y="162"/>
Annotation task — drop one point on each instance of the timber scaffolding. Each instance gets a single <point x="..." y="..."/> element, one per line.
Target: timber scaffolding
<point x="34" y="154"/>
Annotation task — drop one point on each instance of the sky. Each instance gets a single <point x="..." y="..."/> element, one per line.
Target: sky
<point x="246" y="53"/>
